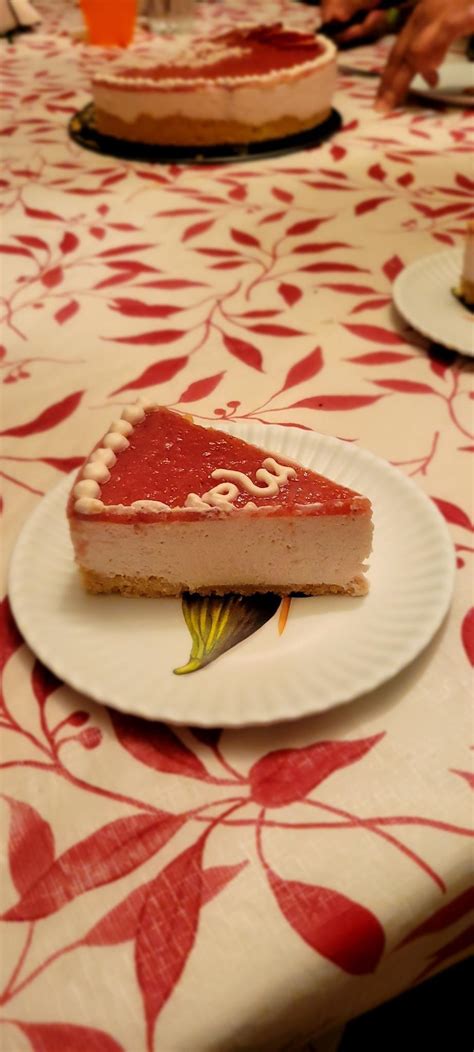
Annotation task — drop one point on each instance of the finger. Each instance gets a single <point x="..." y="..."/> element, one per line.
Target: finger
<point x="394" y="86"/>
<point x="374" y="24"/>
<point x="397" y="59"/>
<point x="420" y="48"/>
<point x="424" y="42"/>
<point x="342" y="10"/>
<point x="431" y="76"/>
<point x="339" y="10"/>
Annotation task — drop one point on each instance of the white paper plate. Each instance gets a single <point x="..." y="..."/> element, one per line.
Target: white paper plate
<point x="423" y="293"/>
<point x="334" y="648"/>
<point x="455" y="84"/>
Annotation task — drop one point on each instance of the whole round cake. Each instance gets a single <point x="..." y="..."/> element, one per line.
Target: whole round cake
<point x="244" y="85"/>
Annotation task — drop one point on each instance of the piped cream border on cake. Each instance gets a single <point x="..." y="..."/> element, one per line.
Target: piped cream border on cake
<point x="123" y="79"/>
<point x="96" y="471"/>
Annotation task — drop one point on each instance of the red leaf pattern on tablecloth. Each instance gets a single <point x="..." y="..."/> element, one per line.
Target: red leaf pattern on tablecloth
<point x="120" y="924"/>
<point x="9" y="634"/>
<point x="380" y="358"/>
<point x="272" y="218"/>
<point x="244" y="239"/>
<point x="157" y="747"/>
<point x="342" y="268"/>
<point x="172" y="284"/>
<point x="392" y="268"/>
<point x="289" y="293"/>
<point x="158" y="373"/>
<point x="405" y="386"/>
<point x="468" y="776"/>
<point x="374" y="333"/>
<point x="216" y="878"/>
<point x="30" y="844"/>
<point x="443" y="917"/>
<point x="377" y="172"/>
<point x="372" y="304"/>
<point x="370" y="204"/>
<point x="282" y="195"/>
<point x="453" y="513"/>
<point x="271" y="329"/>
<point x="335" y="403"/>
<point x="65" y="1037"/>
<point x="114" y="279"/>
<point x="338" y="928"/>
<point x="467" y="634"/>
<point x="459" y="945"/>
<point x="149" y="339"/>
<point x="40" y="213"/>
<point x="305" y="226"/>
<point x="166" y="936"/>
<point x="305" y="369"/>
<point x="15" y="250"/>
<point x="68" y="311"/>
<point x="53" y="277"/>
<point x="120" y="249"/>
<point x="106" y="855"/>
<point x="69" y="242"/>
<point x="197" y="228"/>
<point x="201" y="388"/>
<point x="62" y="463"/>
<point x="137" y="309"/>
<point x="287" y="775"/>
<point x="132" y="267"/>
<point x="50" y="417"/>
<point x="318" y="246"/>
<point x="347" y="288"/>
<point x="243" y="350"/>
<point x="33" y="242"/>
<point x="44" y="682"/>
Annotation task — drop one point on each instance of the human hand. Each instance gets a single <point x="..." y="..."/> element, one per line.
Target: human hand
<point x="421" y="47"/>
<point x="374" y="23"/>
<point x="344" y="9"/>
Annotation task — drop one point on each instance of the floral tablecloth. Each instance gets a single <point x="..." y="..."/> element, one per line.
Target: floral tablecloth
<point x="174" y="889"/>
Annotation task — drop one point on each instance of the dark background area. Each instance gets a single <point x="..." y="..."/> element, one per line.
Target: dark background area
<point x="433" y="1017"/>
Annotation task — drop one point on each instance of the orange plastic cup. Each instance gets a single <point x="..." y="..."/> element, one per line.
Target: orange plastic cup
<point x="109" y="23"/>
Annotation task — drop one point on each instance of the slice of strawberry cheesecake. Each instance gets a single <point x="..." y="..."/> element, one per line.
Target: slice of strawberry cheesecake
<point x="163" y="506"/>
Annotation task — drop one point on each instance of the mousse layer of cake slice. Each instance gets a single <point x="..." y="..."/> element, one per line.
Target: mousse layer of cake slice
<point x="164" y="506"/>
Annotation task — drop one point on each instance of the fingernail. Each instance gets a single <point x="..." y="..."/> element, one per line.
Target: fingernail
<point x="381" y="106"/>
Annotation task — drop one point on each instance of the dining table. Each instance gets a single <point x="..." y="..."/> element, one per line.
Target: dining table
<point x="196" y="886"/>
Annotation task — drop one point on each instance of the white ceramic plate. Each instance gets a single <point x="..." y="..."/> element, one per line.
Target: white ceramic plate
<point x="423" y="294"/>
<point x="455" y="84"/>
<point x="334" y="648"/>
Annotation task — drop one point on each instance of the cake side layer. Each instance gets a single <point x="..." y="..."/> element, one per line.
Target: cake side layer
<point x="180" y="131"/>
<point x="225" y="553"/>
<point x="284" y="96"/>
<point x="160" y="588"/>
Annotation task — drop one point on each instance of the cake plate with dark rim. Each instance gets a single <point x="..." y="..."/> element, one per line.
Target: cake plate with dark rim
<point x="82" y="130"/>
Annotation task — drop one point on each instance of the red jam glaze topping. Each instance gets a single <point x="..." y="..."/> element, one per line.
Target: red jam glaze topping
<point x="170" y="457"/>
<point x="261" y="50"/>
